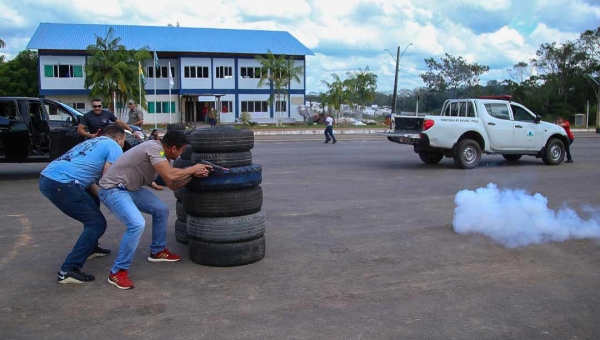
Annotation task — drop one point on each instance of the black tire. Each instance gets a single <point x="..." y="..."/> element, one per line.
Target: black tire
<point x="223" y="203"/>
<point x="228" y="159"/>
<point x="468" y="154"/>
<point x="431" y="157"/>
<point x="187" y="152"/>
<point x="180" y="163"/>
<point x="222" y="140"/>
<point x="227" y="254"/>
<point x="180" y="211"/>
<point x="181" y="235"/>
<point x="512" y="158"/>
<point x="176" y="126"/>
<point x="226" y="229"/>
<point x="554" y="152"/>
<point x="233" y="179"/>
<point x="180" y="194"/>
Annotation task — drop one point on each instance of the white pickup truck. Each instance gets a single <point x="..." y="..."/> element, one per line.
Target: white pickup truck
<point x="466" y="128"/>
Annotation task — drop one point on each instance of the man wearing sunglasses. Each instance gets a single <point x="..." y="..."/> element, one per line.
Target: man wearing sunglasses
<point x="98" y="119"/>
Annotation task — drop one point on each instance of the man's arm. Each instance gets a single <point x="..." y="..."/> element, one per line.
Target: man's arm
<point x="94" y="187"/>
<point x="139" y="123"/>
<point x="177" y="178"/>
<point x="81" y="131"/>
<point x="126" y="127"/>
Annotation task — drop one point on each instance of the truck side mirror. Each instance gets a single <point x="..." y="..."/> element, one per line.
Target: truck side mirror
<point x="537" y="119"/>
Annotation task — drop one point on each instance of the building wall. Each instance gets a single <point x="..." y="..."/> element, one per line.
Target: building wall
<point x="196" y="83"/>
<point x="249" y="83"/>
<point x="53" y="83"/>
<point x="161" y="83"/>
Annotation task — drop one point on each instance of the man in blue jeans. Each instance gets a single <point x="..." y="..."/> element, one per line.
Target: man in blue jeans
<point x="69" y="182"/>
<point x="123" y="192"/>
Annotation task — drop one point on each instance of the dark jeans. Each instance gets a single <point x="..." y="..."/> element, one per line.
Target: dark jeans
<point x="568" y="147"/>
<point x="76" y="202"/>
<point x="212" y="121"/>
<point x="329" y="133"/>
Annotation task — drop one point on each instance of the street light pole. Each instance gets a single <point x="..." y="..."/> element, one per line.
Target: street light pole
<point x="398" y="58"/>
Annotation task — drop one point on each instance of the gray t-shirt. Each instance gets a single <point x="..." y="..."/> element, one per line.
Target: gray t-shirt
<point x="135" y="115"/>
<point x="135" y="168"/>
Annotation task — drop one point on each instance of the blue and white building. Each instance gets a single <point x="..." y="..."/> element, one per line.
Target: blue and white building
<point x="207" y="64"/>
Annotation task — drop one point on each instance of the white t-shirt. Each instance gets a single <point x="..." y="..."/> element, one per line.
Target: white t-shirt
<point x="329" y="121"/>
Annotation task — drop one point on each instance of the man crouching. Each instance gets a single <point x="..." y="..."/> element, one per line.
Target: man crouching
<point x="123" y="192"/>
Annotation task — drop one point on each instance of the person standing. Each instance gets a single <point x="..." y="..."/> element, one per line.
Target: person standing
<point x="69" y="182"/>
<point x="565" y="124"/>
<point x="123" y="192"/>
<point x="136" y="115"/>
<point x="97" y="120"/>
<point x="329" y="129"/>
<point x="212" y="117"/>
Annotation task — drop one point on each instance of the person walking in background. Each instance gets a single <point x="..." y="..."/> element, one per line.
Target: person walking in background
<point x="122" y="192"/>
<point x="212" y="117"/>
<point x="329" y="129"/>
<point x="565" y="124"/>
<point x="69" y="182"/>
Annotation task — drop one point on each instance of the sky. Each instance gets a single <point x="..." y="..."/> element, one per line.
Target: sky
<point x="348" y="35"/>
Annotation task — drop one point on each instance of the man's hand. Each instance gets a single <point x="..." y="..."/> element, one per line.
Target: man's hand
<point x="201" y="170"/>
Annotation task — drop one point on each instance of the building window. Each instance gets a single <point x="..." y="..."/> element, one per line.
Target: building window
<point x="226" y="106"/>
<point x="161" y="107"/>
<point x="63" y="71"/>
<point x="195" y="72"/>
<point x="77" y="106"/>
<point x="161" y="72"/>
<point x="255" y="106"/>
<point x="224" y="72"/>
<point x="250" y="72"/>
<point x="280" y="106"/>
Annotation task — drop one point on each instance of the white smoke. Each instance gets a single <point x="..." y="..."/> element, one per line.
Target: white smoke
<point x="514" y="218"/>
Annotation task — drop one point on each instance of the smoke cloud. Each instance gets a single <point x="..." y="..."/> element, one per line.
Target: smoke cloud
<point x="514" y="218"/>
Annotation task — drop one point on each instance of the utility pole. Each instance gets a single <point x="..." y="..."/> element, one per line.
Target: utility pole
<point x="396" y="82"/>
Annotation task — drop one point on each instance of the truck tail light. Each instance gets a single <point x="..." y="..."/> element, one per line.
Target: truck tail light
<point x="427" y="123"/>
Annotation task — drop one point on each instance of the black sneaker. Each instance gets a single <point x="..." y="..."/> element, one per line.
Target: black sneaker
<point x="99" y="252"/>
<point x="75" y="276"/>
<point x="569" y="161"/>
<point x="335" y="141"/>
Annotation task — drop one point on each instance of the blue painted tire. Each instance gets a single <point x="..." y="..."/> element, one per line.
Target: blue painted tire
<point x="243" y="177"/>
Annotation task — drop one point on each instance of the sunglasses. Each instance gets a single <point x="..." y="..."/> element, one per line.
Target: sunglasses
<point x="97" y="106"/>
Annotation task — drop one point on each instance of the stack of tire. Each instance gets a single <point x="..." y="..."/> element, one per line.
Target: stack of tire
<point x="225" y="222"/>
<point x="183" y="161"/>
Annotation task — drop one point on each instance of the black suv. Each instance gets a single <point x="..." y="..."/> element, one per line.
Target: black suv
<point x="39" y="129"/>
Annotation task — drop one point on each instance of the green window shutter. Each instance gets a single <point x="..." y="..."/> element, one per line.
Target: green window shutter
<point x="172" y="107"/>
<point x="119" y="105"/>
<point x="49" y="71"/>
<point x="78" y="71"/>
<point x="151" y="107"/>
<point x="165" y="107"/>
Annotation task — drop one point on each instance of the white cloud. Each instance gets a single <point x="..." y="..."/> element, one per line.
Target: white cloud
<point x="344" y="36"/>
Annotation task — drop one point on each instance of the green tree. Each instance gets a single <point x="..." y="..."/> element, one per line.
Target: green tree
<point x="361" y="86"/>
<point x="279" y="72"/>
<point x="19" y="76"/>
<point x="336" y="94"/>
<point x="111" y="67"/>
<point x="451" y="73"/>
<point x="2" y="44"/>
<point x="589" y="44"/>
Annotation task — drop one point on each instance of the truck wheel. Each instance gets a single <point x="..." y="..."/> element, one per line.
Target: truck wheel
<point x="554" y="152"/>
<point x="431" y="157"/>
<point x="468" y="154"/>
<point x="512" y="158"/>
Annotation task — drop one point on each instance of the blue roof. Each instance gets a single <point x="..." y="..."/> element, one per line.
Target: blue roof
<point x="77" y="37"/>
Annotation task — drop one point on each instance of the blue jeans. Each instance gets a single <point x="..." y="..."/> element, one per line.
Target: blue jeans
<point x="128" y="207"/>
<point x="329" y="133"/>
<point x="76" y="202"/>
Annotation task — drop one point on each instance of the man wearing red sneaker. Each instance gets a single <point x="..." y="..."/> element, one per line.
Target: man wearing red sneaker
<point x="123" y="192"/>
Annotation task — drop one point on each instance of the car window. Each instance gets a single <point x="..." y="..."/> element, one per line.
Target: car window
<point x="470" y="110"/>
<point x="498" y="110"/>
<point x="521" y="115"/>
<point x="8" y="109"/>
<point x="58" y="114"/>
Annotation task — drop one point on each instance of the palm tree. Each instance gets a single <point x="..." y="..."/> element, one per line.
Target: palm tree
<point x="279" y="72"/>
<point x="361" y="85"/>
<point x="2" y="44"/>
<point x="113" y="68"/>
<point x="336" y="93"/>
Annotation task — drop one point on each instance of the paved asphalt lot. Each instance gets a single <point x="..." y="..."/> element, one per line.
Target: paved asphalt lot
<point x="359" y="246"/>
